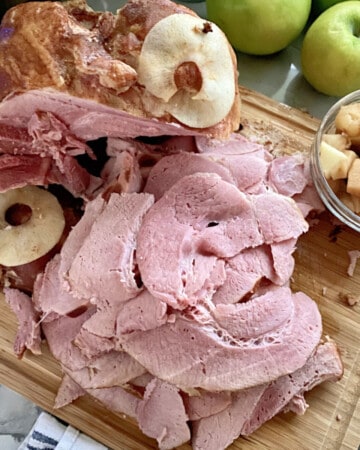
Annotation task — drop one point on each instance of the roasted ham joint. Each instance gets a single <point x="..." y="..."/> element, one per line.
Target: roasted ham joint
<point x="143" y="238"/>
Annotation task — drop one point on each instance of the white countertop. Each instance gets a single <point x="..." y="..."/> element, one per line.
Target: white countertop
<point x="279" y="77"/>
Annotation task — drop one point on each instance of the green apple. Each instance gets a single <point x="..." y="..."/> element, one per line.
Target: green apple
<point x="319" y="6"/>
<point x="259" y="27"/>
<point x="330" y="53"/>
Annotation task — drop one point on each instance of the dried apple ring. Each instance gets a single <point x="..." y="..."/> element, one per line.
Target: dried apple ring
<point x="31" y="224"/>
<point x="186" y="61"/>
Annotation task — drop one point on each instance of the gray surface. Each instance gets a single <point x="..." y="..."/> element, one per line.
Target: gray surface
<point x="17" y="415"/>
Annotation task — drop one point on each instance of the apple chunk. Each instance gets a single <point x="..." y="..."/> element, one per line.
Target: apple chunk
<point x="351" y="201"/>
<point x="335" y="163"/>
<point x="339" y="141"/>
<point x="353" y="183"/>
<point x="347" y="122"/>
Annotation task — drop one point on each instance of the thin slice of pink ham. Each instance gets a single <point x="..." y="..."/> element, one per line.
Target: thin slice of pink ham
<point x="92" y="345"/>
<point x="76" y="238"/>
<point x="210" y="358"/>
<point x="28" y="335"/>
<point x="324" y="365"/>
<point x="116" y="399"/>
<point x="110" y="369"/>
<point x="198" y="220"/>
<point x="205" y="404"/>
<point x="161" y="415"/>
<point x="170" y="169"/>
<point x="283" y="260"/>
<point x="60" y="333"/>
<point x="257" y="317"/>
<point x="141" y="313"/>
<point x="68" y="392"/>
<point x="248" y="170"/>
<point x="86" y="119"/>
<point x="243" y="274"/>
<point x="21" y="170"/>
<point x="218" y="431"/>
<point x="103" y="269"/>
<point x="287" y="174"/>
<point x="50" y="295"/>
<point x="251" y="408"/>
<point x="279" y="217"/>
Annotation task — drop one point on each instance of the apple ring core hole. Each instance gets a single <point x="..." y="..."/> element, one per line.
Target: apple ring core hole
<point x="18" y="214"/>
<point x="187" y="76"/>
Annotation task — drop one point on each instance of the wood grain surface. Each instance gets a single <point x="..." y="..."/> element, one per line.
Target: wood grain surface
<point x="333" y="419"/>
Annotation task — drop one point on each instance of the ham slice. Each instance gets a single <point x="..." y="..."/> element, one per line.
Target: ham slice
<point x="28" y="335"/>
<point x="68" y="392"/>
<point x="168" y="426"/>
<point x="107" y="370"/>
<point x="206" y="404"/>
<point x="252" y="407"/>
<point x="211" y="358"/>
<point x="251" y="319"/>
<point x="324" y="364"/>
<point x="244" y="272"/>
<point x="287" y="175"/>
<point x="172" y="168"/>
<point x="218" y="431"/>
<point x="279" y="217"/>
<point x="86" y="119"/>
<point x="141" y="313"/>
<point x="103" y="268"/>
<point x="116" y="399"/>
<point x="50" y="295"/>
<point x="210" y="219"/>
<point x="60" y="332"/>
<point x="187" y="265"/>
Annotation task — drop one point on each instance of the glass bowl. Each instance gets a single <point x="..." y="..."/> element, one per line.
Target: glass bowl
<point x="326" y="193"/>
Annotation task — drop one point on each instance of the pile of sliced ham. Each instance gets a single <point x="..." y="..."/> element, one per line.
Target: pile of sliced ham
<point x="170" y="299"/>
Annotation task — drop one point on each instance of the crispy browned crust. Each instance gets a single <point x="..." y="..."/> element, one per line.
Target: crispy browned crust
<point x="70" y="48"/>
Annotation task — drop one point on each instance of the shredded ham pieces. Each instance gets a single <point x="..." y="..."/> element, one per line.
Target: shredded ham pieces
<point x="171" y="303"/>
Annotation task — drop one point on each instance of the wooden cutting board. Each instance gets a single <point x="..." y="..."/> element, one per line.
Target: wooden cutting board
<point x="333" y="419"/>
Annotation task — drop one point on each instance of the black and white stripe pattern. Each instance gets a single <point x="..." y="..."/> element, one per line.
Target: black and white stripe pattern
<point x="39" y="440"/>
<point x="48" y="433"/>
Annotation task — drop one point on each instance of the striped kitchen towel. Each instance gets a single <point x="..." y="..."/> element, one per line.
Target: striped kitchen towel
<point x="50" y="434"/>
